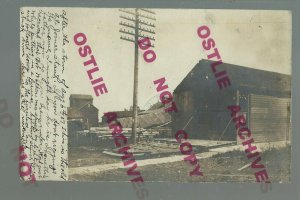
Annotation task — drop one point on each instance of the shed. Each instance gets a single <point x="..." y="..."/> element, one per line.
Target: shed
<point x="264" y="98"/>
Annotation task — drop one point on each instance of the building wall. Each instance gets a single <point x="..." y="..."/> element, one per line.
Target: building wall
<point x="203" y="109"/>
<point x="204" y="115"/>
<point x="91" y="114"/>
<point x="269" y="118"/>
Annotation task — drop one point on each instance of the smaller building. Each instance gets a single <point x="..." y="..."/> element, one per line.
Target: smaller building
<point x="82" y="109"/>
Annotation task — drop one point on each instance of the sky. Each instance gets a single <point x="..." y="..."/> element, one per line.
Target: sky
<point x="257" y="39"/>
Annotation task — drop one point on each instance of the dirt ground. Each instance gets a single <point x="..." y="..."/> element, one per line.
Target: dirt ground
<point x="88" y="156"/>
<point x="219" y="168"/>
<point x="79" y="157"/>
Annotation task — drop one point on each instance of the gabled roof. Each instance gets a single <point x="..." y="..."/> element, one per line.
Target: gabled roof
<point x="240" y="77"/>
<point x="87" y="105"/>
<point x="74" y="113"/>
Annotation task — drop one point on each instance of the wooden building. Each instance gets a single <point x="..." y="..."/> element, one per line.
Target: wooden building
<point x="264" y="97"/>
<point x="82" y="108"/>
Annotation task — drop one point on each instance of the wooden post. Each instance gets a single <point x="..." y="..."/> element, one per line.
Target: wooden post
<point x="249" y="111"/>
<point x="237" y="103"/>
<point x="139" y="31"/>
<point x="135" y="81"/>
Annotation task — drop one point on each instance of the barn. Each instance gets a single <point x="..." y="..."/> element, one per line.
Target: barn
<point x="264" y="97"/>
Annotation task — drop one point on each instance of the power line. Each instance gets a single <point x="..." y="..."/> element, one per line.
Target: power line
<point x="136" y="24"/>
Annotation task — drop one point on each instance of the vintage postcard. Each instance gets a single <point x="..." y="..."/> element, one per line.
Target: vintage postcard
<point x="137" y="94"/>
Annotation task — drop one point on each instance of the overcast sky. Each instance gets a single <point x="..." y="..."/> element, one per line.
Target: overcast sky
<point x="256" y="39"/>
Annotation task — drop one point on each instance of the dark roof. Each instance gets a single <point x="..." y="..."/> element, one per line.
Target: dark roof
<point x="87" y="104"/>
<point x="80" y="96"/>
<point x="74" y="113"/>
<point x="241" y="78"/>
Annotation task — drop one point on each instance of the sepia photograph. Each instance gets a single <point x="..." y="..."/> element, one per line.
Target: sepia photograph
<point x="163" y="95"/>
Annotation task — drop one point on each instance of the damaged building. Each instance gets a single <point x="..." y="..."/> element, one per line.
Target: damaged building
<point x="264" y="97"/>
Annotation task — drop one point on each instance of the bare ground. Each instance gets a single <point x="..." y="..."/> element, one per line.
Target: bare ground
<point x="79" y="157"/>
<point x="219" y="168"/>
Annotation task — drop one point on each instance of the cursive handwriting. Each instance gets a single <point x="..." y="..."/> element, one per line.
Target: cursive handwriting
<point x="43" y="91"/>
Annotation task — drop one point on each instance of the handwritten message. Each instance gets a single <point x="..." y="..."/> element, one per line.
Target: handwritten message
<point x="44" y="91"/>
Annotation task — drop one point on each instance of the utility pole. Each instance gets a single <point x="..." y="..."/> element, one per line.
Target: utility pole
<point x="134" y="26"/>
